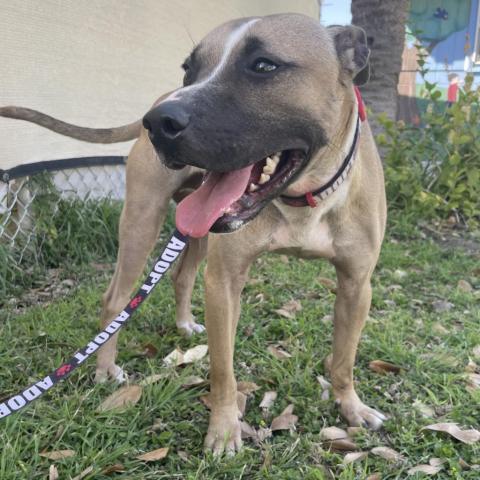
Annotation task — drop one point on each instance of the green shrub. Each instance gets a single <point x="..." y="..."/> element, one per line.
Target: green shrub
<point x="433" y="170"/>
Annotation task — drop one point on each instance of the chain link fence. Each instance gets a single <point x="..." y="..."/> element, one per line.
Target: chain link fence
<point x="36" y="199"/>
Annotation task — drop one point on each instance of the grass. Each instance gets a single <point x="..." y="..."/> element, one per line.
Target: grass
<point x="403" y="328"/>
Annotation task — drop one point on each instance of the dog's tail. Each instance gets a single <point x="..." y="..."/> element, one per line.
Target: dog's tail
<point x="92" y="135"/>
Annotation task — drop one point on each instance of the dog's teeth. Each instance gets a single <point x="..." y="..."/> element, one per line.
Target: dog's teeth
<point x="252" y="187"/>
<point x="264" y="178"/>
<point x="276" y="157"/>
<point x="270" y="166"/>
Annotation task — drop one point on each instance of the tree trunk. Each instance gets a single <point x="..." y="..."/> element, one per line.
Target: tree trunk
<point x="384" y="23"/>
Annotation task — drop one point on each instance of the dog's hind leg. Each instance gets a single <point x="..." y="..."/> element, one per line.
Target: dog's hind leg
<point x="352" y="304"/>
<point x="150" y="186"/>
<point x="184" y="279"/>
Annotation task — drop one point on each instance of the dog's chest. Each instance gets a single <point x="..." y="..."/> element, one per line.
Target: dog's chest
<point x="308" y="241"/>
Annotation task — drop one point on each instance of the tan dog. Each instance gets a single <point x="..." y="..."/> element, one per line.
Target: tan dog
<point x="268" y="109"/>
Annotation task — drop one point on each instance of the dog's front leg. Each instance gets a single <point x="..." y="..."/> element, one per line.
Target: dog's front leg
<point x="351" y="309"/>
<point x="225" y="277"/>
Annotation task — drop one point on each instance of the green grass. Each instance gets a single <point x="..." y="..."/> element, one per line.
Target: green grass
<point x="402" y="329"/>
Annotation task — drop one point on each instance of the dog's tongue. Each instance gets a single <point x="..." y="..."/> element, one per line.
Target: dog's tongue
<point x="199" y="211"/>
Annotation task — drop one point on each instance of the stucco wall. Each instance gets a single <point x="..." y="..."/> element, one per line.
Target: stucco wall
<point x="101" y="63"/>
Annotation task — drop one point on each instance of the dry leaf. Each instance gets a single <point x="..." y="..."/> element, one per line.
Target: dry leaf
<point x="154" y="455"/>
<point x="388" y="454"/>
<point x="174" y="358"/>
<point x="57" y="454"/>
<point x="285" y="313"/>
<point x="278" y="352"/>
<point x="375" y="476"/>
<point x="324" y="383"/>
<point x="289" y="309"/>
<point x="382" y="367"/>
<point x="195" y="354"/>
<point x="151" y="379"/>
<point x="122" y="398"/>
<point x="464" y="286"/>
<point x="476" y="351"/>
<point x="354" y="457"/>
<point x="193" y="381"/>
<point x="241" y="402"/>
<point x="341" y="445"/>
<point x="115" y="468"/>
<point x="53" y="473"/>
<point x="247" y="430"/>
<point x="83" y="474"/>
<point x="439" y="329"/>
<point x="332" y="433"/>
<point x="471" y="367"/>
<point x="247" y="387"/>
<point x="442" y="306"/>
<point x="424" y="468"/>
<point x="268" y="400"/>
<point x="263" y="433"/>
<point x="435" y="462"/>
<point x="150" y="350"/>
<point x="285" y="421"/>
<point x="183" y="455"/>
<point x="327" y="319"/>
<point x="473" y="381"/>
<point x="465" y="436"/>
<point x="424" y="410"/>
<point x="328" y="284"/>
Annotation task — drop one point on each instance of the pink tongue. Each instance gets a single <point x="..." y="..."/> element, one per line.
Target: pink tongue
<point x="199" y="211"/>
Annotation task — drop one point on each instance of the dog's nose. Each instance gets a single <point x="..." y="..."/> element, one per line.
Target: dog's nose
<point x="169" y="120"/>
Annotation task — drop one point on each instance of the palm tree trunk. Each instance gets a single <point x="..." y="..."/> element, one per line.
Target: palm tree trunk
<point x="384" y="23"/>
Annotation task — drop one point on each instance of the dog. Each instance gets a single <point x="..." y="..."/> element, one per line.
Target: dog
<point x="265" y="147"/>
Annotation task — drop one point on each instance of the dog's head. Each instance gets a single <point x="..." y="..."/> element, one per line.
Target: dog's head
<point x="259" y="98"/>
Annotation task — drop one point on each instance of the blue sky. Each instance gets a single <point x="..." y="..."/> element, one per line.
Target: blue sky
<point x="336" y="12"/>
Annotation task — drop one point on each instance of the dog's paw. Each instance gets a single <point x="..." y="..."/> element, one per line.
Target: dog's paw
<point x="224" y="434"/>
<point x="357" y="414"/>
<point x="189" y="327"/>
<point x="114" y="373"/>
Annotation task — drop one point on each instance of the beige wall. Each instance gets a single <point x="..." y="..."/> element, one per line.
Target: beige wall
<point x="99" y="63"/>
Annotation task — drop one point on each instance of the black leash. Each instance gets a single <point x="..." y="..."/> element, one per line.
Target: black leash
<point x="171" y="251"/>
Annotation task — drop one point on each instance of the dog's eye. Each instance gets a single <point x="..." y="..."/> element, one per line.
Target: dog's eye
<point x="262" y="65"/>
<point x="187" y="78"/>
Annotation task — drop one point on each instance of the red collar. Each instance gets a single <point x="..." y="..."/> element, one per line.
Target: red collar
<point x="324" y="191"/>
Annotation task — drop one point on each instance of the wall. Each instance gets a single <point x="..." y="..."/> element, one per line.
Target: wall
<point x="100" y="64"/>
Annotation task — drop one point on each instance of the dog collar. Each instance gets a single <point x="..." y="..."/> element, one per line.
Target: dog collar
<point x="307" y="200"/>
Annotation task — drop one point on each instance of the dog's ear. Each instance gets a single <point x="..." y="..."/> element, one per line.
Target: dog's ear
<point x="352" y="50"/>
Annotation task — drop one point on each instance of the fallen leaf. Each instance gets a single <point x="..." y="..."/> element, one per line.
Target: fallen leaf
<point x="473" y="381"/>
<point x="151" y="379"/>
<point x="285" y="421"/>
<point x="328" y="284"/>
<point x="439" y="329"/>
<point x="354" y="457"/>
<point x="268" y="400"/>
<point x="53" y="473"/>
<point x="278" y="352"/>
<point x="324" y="383"/>
<point x="122" y="398"/>
<point x="150" y="350"/>
<point x="333" y="433"/>
<point x="388" y="454"/>
<point x="424" y="410"/>
<point x="465" y="436"/>
<point x="476" y="351"/>
<point x="83" y="474"/>
<point x="327" y="319"/>
<point x="382" y="367"/>
<point x="341" y="445"/>
<point x="174" y="358"/>
<point x="247" y="387"/>
<point x="193" y="381"/>
<point x="57" y="454"/>
<point x="464" y="286"/>
<point x="241" y="402"/>
<point x="436" y="461"/>
<point x="195" y="354"/>
<point x="289" y="309"/>
<point x="154" y="455"/>
<point x="263" y="433"/>
<point x="442" y="306"/>
<point x="375" y="476"/>
<point x="183" y="455"/>
<point x="115" y="468"/>
<point x="424" y="468"/>
<point x="471" y="367"/>
<point x="247" y="430"/>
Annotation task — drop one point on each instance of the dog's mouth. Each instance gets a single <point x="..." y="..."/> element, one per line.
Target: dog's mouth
<point x="226" y="201"/>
